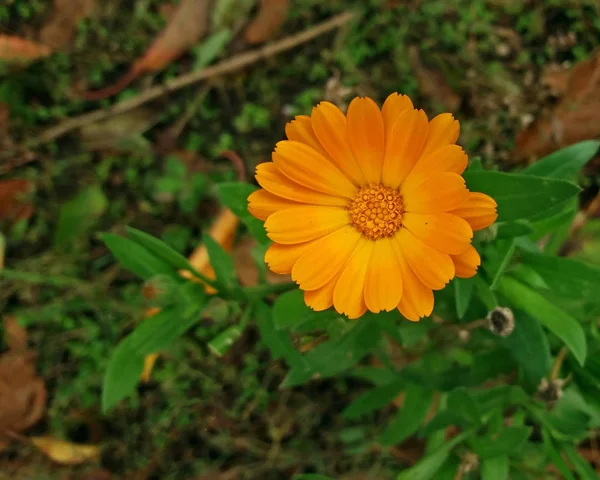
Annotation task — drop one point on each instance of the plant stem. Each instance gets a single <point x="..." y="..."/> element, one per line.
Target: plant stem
<point x="263" y="290"/>
<point x="560" y="358"/>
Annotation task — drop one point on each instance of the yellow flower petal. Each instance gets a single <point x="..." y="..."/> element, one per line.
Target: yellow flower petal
<point x="325" y="258"/>
<point x="305" y="223"/>
<point x="434" y="268"/>
<point x="466" y="263"/>
<point x="261" y="204"/>
<point x="450" y="158"/>
<point x="329" y="125"/>
<point x="365" y="135"/>
<point x="393" y="105"/>
<point x="442" y="231"/>
<point x="443" y="130"/>
<point x="271" y="179"/>
<point x="300" y="130"/>
<point x="281" y="258"/>
<point x="309" y="168"/>
<point x="433" y="193"/>
<point x="322" y="298"/>
<point x="348" y="295"/>
<point x="403" y="145"/>
<point x="383" y="283"/>
<point x="479" y="210"/>
<point x="417" y="299"/>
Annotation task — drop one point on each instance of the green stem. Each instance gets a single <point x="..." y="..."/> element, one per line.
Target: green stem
<point x="261" y="291"/>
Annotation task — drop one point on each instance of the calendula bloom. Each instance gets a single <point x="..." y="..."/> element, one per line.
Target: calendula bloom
<point x="369" y="210"/>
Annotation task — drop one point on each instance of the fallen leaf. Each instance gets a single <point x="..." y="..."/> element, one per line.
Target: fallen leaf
<point x="13" y="204"/>
<point x="576" y="117"/>
<point x="60" y="27"/>
<point x="16" y="49"/>
<point x="66" y="453"/>
<point x="186" y="27"/>
<point x="269" y="19"/>
<point x="432" y="83"/>
<point x="22" y="393"/>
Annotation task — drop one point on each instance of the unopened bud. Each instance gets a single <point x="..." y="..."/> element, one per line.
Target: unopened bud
<point x="501" y="321"/>
<point x="550" y="391"/>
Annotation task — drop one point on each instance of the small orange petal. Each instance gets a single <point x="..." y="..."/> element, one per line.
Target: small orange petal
<point x="434" y="268"/>
<point x="305" y="223"/>
<point x="417" y="299"/>
<point x="466" y="263"/>
<point x="261" y="204"/>
<point x="329" y="125"/>
<point x="271" y="179"/>
<point x="403" y="144"/>
<point x="309" y="168"/>
<point x="383" y="283"/>
<point x="348" y="295"/>
<point x="479" y="210"/>
<point x="393" y="105"/>
<point x="450" y="158"/>
<point x="325" y="258"/>
<point x="365" y="135"/>
<point x="433" y="193"/>
<point x="443" y="130"/>
<point x="300" y="130"/>
<point x="281" y="258"/>
<point x="445" y="232"/>
<point x="322" y="298"/>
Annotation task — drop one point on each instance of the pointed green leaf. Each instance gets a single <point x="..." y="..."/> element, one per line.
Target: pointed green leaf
<point x="290" y="312"/>
<point x="416" y="404"/>
<point x="507" y="442"/>
<point x="221" y="262"/>
<point x="463" y="292"/>
<point x="495" y="468"/>
<point x="566" y="162"/>
<point x="374" y="399"/>
<point x="557" y="321"/>
<point x="122" y="375"/>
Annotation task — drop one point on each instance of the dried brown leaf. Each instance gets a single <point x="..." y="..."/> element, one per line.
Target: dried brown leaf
<point x="16" y="49"/>
<point x="269" y="19"/>
<point x="432" y="83"/>
<point x="66" y="453"/>
<point x="16" y="335"/>
<point x="60" y="27"/>
<point x="13" y="204"/>
<point x="186" y="27"/>
<point x="575" y="118"/>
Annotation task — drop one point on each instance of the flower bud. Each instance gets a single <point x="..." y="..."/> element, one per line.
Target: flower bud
<point x="501" y="321"/>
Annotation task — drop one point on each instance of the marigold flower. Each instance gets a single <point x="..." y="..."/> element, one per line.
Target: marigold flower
<point x="369" y="211"/>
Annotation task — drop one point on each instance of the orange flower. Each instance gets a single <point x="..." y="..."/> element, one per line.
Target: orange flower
<point x="368" y="211"/>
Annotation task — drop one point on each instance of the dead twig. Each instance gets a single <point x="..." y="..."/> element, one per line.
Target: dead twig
<point x="225" y="67"/>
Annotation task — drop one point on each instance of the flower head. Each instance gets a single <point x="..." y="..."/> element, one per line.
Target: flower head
<point x="368" y="211"/>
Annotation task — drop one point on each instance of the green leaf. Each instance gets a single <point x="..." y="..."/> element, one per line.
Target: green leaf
<point x="122" y="375"/>
<point x="428" y="466"/>
<point x="520" y="196"/>
<point x="570" y="417"/>
<point x="462" y="404"/>
<point x="566" y="162"/>
<point x="335" y="356"/>
<point x="582" y="466"/>
<point x="565" y="276"/>
<point x="528" y="344"/>
<point x="556" y="227"/>
<point x="234" y="195"/>
<point x="507" y="442"/>
<point x="555" y="457"/>
<point x="160" y="249"/>
<point x="416" y="404"/>
<point x="495" y="468"/>
<point x="374" y="399"/>
<point x="487" y="297"/>
<point x="136" y="258"/>
<point x="463" y="292"/>
<point x="557" y="321"/>
<point x="290" y="312"/>
<point x="221" y="262"/>
<point x="78" y="215"/>
<point x="211" y="48"/>
<point x="517" y="228"/>
<point x="505" y="252"/>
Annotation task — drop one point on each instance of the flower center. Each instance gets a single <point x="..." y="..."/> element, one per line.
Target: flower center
<point x="376" y="211"/>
